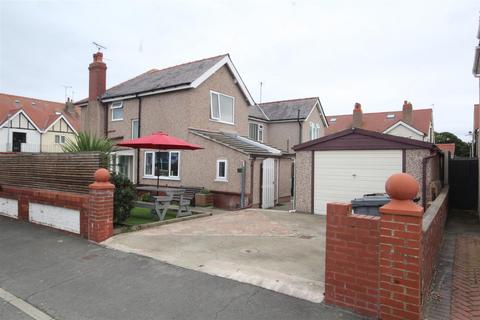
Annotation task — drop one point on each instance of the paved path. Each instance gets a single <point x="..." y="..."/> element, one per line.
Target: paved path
<point x="68" y="278"/>
<point x="456" y="289"/>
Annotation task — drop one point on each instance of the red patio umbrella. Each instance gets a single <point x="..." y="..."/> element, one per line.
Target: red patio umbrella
<point x="158" y="141"/>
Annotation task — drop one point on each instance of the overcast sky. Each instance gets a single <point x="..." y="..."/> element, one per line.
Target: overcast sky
<point x="378" y="53"/>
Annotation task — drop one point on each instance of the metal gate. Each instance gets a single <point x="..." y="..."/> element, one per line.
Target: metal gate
<point x="463" y="181"/>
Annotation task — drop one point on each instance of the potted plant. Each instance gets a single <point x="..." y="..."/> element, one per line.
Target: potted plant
<point x="204" y="198"/>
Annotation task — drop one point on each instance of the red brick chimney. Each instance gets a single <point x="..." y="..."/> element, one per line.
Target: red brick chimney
<point x="357" y="116"/>
<point x="407" y="112"/>
<point x="97" y="84"/>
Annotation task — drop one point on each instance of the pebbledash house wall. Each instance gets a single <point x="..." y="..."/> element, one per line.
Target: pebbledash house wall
<point x="413" y="166"/>
<point x="175" y="113"/>
<point x="383" y="266"/>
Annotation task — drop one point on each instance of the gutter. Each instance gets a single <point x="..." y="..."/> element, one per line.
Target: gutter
<point x="424" y="178"/>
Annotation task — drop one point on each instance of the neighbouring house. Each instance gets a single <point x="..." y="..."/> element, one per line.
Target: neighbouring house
<point x="204" y="102"/>
<point x="447" y="148"/>
<point x="34" y="125"/>
<point x="409" y="123"/>
<point x="351" y="163"/>
<point x="283" y="124"/>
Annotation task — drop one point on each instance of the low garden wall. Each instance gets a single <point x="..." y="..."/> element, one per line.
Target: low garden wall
<point x="75" y="205"/>
<point x="383" y="266"/>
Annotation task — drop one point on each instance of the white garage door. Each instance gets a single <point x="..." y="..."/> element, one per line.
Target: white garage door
<point x="341" y="176"/>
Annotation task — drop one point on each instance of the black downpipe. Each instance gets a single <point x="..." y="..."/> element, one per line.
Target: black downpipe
<point x="299" y="127"/>
<point x="139" y="135"/>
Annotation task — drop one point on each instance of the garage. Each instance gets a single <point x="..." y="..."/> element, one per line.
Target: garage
<point x="354" y="162"/>
<point x="343" y="175"/>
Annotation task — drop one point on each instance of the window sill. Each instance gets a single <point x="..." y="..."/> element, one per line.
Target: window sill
<point x="224" y="122"/>
<point x="221" y="180"/>
<point x="116" y="120"/>
<point x="162" y="178"/>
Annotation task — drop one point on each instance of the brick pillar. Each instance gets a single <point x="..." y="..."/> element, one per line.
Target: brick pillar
<point x="400" y="250"/>
<point x="100" y="216"/>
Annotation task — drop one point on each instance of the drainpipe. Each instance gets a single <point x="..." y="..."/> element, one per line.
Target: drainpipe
<point x="242" y="186"/>
<point x="299" y="127"/>
<point x="252" y="163"/>
<point x="424" y="179"/>
<point x="139" y="135"/>
<point x="106" y="117"/>
<point x="294" y="204"/>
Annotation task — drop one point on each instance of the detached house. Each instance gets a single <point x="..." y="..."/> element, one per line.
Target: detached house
<point x="34" y="125"/>
<point x="408" y="123"/>
<point x="204" y="102"/>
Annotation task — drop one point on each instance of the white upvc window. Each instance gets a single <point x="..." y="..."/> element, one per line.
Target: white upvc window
<point x="255" y="131"/>
<point x="135" y="129"/>
<point x="222" y="107"/>
<point x="117" y="110"/>
<point x="59" y="139"/>
<point x="222" y="171"/>
<point x="164" y="164"/>
<point x="314" y="130"/>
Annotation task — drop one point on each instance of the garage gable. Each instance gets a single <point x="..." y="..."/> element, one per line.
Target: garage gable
<point x="359" y="139"/>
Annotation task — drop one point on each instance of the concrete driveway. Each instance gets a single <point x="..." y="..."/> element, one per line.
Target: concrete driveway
<point x="276" y="250"/>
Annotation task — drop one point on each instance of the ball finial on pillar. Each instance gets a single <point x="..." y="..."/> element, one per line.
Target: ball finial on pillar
<point x="102" y="175"/>
<point x="401" y="186"/>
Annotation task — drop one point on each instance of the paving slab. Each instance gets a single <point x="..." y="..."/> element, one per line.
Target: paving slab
<point x="276" y="250"/>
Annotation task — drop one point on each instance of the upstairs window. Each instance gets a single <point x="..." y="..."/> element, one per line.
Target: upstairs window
<point x="222" y="107"/>
<point x="117" y="110"/>
<point x="255" y="131"/>
<point x="314" y="131"/>
<point x="135" y="133"/>
<point x="59" y="139"/>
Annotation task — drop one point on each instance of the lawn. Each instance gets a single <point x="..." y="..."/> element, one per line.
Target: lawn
<point x="143" y="215"/>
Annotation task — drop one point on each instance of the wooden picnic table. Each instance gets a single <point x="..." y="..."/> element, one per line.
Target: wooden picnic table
<point x="162" y="203"/>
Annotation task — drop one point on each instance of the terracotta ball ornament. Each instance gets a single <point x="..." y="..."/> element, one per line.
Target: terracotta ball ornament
<point x="401" y="186"/>
<point x="102" y="175"/>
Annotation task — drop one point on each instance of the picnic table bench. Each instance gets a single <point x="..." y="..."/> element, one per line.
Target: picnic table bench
<point x="162" y="203"/>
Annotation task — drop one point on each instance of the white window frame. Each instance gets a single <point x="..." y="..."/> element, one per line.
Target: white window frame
<point x="154" y="160"/>
<point x="314" y="131"/>
<point x="138" y="133"/>
<point x="259" y="132"/>
<point x="219" y="119"/>
<point x="217" y="171"/>
<point x="116" y="105"/>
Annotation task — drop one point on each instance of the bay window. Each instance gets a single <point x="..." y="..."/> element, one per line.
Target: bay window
<point x="165" y="164"/>
<point x="222" y="107"/>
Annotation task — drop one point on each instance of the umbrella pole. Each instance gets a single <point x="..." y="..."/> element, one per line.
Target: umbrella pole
<point x="158" y="180"/>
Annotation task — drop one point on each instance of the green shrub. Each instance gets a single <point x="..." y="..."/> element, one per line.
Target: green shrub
<point x="124" y="197"/>
<point x="205" y="191"/>
<point x="147" y="197"/>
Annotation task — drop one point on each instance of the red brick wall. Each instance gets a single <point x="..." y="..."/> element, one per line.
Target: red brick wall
<point x="433" y="228"/>
<point x="54" y="198"/>
<point x="351" y="270"/>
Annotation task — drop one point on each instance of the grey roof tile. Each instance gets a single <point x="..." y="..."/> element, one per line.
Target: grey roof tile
<point x="183" y="74"/>
<point x="237" y="142"/>
<point x="287" y="109"/>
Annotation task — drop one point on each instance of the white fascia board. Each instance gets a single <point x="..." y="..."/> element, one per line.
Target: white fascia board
<point x="257" y="119"/>
<point x="260" y="145"/>
<point x="318" y="105"/>
<point x="64" y="118"/>
<point x="26" y="116"/>
<point x="150" y="93"/>
<point x="401" y="123"/>
<point x="119" y="98"/>
<point x="226" y="60"/>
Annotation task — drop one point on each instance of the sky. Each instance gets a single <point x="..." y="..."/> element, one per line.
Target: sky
<point x="377" y="53"/>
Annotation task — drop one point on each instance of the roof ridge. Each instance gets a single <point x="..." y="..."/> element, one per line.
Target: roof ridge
<point x="31" y="98"/>
<point x="194" y="61"/>
<point x="288" y="100"/>
<point x="377" y="112"/>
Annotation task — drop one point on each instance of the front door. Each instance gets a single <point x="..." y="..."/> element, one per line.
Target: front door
<point x="268" y="183"/>
<point x="17" y="139"/>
